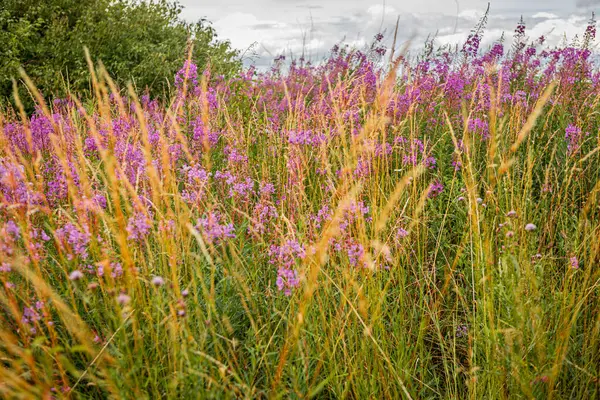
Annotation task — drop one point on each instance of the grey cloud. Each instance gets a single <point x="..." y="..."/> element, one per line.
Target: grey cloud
<point x="292" y="27"/>
<point x="587" y="3"/>
<point x="264" y="26"/>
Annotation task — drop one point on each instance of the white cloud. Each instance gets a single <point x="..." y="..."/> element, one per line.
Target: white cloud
<point x="545" y="15"/>
<point x="379" y="10"/>
<point x="471" y="14"/>
<point x="314" y="26"/>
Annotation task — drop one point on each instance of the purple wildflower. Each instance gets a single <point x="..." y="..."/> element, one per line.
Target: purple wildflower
<point x="574" y="262"/>
<point x="213" y="230"/>
<point x="123" y="299"/>
<point x="138" y="226"/>
<point x="435" y="189"/>
<point x="401" y="233"/>
<point x="158" y="281"/>
<point x="75" y="239"/>
<point x="75" y="275"/>
<point x="284" y="257"/>
<point x="573" y="136"/>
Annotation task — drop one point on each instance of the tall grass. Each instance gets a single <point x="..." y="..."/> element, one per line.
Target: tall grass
<point x="429" y="230"/>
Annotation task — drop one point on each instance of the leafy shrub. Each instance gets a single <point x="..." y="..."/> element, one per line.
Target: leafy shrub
<point x="142" y="42"/>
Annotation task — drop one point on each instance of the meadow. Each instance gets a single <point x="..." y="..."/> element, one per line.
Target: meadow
<point x="372" y="226"/>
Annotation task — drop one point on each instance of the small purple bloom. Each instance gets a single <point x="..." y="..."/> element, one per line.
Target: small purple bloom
<point x="158" y="281"/>
<point x="77" y="239"/>
<point x="212" y="228"/>
<point x="435" y="189"/>
<point x="530" y="227"/>
<point x="123" y="299"/>
<point x="401" y="233"/>
<point x="76" y="275"/>
<point x="574" y="262"/>
<point x="138" y="226"/>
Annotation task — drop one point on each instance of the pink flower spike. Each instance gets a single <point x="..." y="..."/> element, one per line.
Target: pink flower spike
<point x="574" y="262"/>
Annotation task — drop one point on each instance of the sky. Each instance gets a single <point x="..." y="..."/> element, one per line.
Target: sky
<point x="264" y="29"/>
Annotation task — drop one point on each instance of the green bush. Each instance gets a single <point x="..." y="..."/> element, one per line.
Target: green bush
<point x="138" y="41"/>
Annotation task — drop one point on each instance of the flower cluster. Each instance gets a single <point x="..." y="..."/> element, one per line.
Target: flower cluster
<point x="213" y="230"/>
<point x="75" y="240"/>
<point x="284" y="257"/>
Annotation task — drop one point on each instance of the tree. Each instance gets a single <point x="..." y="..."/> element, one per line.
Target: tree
<point x="144" y="42"/>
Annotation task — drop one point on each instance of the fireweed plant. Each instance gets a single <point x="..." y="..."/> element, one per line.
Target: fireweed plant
<point x="425" y="229"/>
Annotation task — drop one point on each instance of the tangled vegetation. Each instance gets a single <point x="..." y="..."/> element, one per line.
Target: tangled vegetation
<point x="426" y="228"/>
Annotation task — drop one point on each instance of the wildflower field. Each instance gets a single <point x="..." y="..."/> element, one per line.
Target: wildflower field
<point x="372" y="226"/>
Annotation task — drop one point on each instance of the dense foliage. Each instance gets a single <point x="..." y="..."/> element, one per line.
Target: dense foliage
<point x="142" y="42"/>
<point x="430" y="229"/>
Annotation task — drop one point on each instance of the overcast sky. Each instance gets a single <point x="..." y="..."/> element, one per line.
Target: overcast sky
<point x="268" y="28"/>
